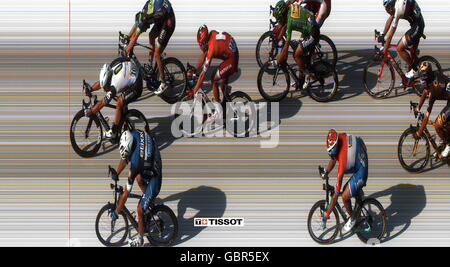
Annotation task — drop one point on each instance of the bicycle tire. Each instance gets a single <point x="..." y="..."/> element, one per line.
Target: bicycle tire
<point x="388" y="90"/>
<point x="372" y="201"/>
<point x="172" y="96"/>
<point x="259" y="60"/>
<point x="321" y="205"/>
<point x="173" y="218"/>
<point x="283" y="72"/>
<point x="104" y="242"/>
<point x="85" y="154"/>
<point x="407" y="167"/>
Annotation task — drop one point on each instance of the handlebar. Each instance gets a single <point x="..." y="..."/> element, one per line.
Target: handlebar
<point x="113" y="174"/>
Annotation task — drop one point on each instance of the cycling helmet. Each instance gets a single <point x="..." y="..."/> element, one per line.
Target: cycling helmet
<point x="203" y="37"/>
<point x="388" y="3"/>
<point x="426" y="73"/>
<point x="333" y="143"/>
<point x="126" y="143"/>
<point x="280" y="11"/>
<point x="105" y="76"/>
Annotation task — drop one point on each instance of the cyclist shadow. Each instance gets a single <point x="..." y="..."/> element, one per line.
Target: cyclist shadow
<point x="208" y="202"/>
<point x="407" y="202"/>
<point x="350" y="68"/>
<point x="160" y="129"/>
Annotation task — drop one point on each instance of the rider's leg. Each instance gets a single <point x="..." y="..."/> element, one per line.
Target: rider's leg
<point x="161" y="43"/>
<point x="152" y="35"/>
<point x="324" y="12"/>
<point x="151" y="192"/>
<point x="407" y="48"/>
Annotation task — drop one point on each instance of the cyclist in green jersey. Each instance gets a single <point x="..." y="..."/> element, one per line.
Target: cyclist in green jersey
<point x="299" y="19"/>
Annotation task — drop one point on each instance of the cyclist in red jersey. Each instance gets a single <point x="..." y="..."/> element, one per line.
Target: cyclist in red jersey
<point x="216" y="45"/>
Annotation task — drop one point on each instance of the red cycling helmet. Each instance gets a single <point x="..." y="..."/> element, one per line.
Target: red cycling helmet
<point x="332" y="143"/>
<point x="203" y="37"/>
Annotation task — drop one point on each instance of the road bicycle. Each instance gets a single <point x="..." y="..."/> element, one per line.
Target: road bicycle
<point x="88" y="134"/>
<point x="175" y="73"/>
<point x="414" y="155"/>
<point x="268" y="47"/>
<point x="231" y="106"/>
<point x="370" y="216"/>
<point x="161" y="224"/>
<point x="379" y="74"/>
<point x="274" y="82"/>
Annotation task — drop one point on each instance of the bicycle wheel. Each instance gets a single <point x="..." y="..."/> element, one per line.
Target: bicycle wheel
<point x="326" y="83"/>
<point x="436" y="66"/>
<point x="266" y="48"/>
<point x="177" y="78"/>
<point x="161" y="226"/>
<point x="320" y="232"/>
<point x="326" y="51"/>
<point x="379" y="79"/>
<point x="242" y="122"/>
<point x="413" y="154"/>
<point x="273" y="84"/>
<point x="371" y="224"/>
<point x="86" y="135"/>
<point x="109" y="234"/>
<point x="135" y="120"/>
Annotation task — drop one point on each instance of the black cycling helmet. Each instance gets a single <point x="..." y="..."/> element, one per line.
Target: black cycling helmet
<point x="280" y="11"/>
<point x="388" y="4"/>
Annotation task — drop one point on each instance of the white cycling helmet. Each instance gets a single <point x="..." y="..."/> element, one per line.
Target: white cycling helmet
<point x="126" y="143"/>
<point x="105" y="76"/>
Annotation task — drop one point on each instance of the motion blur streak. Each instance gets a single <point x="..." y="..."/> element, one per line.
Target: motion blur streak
<point x="272" y="189"/>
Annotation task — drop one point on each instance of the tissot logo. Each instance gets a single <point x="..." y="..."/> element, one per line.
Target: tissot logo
<point x="218" y="222"/>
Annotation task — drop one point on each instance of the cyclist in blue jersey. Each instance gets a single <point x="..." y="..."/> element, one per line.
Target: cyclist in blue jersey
<point x="141" y="151"/>
<point x="161" y="15"/>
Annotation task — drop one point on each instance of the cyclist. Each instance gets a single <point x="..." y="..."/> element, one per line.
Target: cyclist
<point x="298" y="18"/>
<point x="351" y="153"/>
<point x="141" y="150"/>
<point x="161" y="14"/>
<point x="437" y="88"/>
<point x="216" y="45"/>
<point x="407" y="47"/>
<point x="121" y="79"/>
<point x="321" y="8"/>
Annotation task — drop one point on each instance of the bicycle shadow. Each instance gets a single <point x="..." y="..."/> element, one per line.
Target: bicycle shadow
<point x="407" y="202"/>
<point x="208" y="202"/>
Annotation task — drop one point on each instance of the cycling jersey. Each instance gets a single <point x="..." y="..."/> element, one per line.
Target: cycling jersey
<point x="299" y="19"/>
<point x="353" y="159"/>
<point x="222" y="46"/>
<point x="155" y="12"/>
<point x="146" y="161"/>
<point x="408" y="10"/>
<point x="126" y="80"/>
<point x="438" y="91"/>
<point x="320" y="8"/>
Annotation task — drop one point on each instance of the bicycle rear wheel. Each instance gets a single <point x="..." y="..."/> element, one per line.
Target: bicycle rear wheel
<point x="379" y="79"/>
<point x="326" y="84"/>
<point x="320" y="232"/>
<point x="135" y="120"/>
<point x="413" y="154"/>
<point x="273" y="83"/>
<point x="176" y="76"/>
<point x="86" y="135"/>
<point x="161" y="226"/>
<point x="371" y="224"/>
<point x="326" y="51"/>
<point x="109" y="234"/>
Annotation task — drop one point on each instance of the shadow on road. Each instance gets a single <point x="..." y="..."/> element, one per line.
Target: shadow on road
<point x="160" y="129"/>
<point x="208" y="202"/>
<point x="407" y="201"/>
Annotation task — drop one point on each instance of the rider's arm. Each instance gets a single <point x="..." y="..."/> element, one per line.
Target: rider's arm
<point x="330" y="166"/>
<point x="96" y="86"/>
<point x="427" y="118"/>
<point x="423" y="99"/>
<point x="282" y="32"/>
<point x="123" y="200"/>
<point x="390" y="34"/>
<point x="133" y="40"/>
<point x="201" y="62"/>
<point x="206" y="64"/>
<point x="122" y="164"/>
<point x="387" y="27"/>
<point x="284" y="54"/>
<point x="340" y="177"/>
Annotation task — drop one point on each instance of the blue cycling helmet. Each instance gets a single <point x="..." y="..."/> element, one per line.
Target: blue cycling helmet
<point x="389" y="3"/>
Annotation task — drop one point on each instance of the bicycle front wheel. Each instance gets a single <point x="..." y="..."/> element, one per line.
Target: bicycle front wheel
<point x="86" y="135"/>
<point x="266" y="48"/>
<point x="108" y="233"/>
<point x="273" y="83"/>
<point x="161" y="226"/>
<point x="413" y="154"/>
<point x="320" y="231"/>
<point x="371" y="222"/>
<point x="240" y="115"/>
<point x="379" y="79"/>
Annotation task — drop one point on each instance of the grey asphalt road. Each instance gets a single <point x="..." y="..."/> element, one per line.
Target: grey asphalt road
<point x="48" y="194"/>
